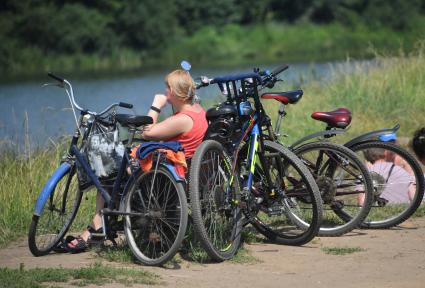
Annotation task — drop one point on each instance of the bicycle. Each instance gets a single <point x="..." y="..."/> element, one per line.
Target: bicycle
<point x="406" y="175"/>
<point x="217" y="201"/>
<point x="341" y="176"/>
<point x="151" y="205"/>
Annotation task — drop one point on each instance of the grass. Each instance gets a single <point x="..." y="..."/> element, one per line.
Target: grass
<point x="244" y="256"/>
<point x="420" y="212"/>
<point x="120" y="253"/>
<point x="22" y="177"/>
<point x="96" y="274"/>
<point x="341" y="250"/>
<point x="380" y="93"/>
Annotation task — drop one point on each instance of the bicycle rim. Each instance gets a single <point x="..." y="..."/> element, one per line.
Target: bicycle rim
<point x="344" y="183"/>
<point x="215" y="198"/>
<point x="156" y="231"/>
<point x="397" y="180"/>
<point x="57" y="215"/>
<point x="292" y="216"/>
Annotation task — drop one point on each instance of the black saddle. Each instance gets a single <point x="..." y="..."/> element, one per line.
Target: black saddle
<point x="127" y="120"/>
<point x="289" y="97"/>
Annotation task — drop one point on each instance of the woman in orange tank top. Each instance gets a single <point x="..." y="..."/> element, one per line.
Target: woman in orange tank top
<point x="188" y="124"/>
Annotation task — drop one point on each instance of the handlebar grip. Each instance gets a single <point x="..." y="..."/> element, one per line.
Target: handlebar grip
<point x="279" y="69"/>
<point x="125" y="105"/>
<point x="51" y="75"/>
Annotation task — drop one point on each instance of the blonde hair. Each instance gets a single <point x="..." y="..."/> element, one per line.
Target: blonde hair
<point x="181" y="84"/>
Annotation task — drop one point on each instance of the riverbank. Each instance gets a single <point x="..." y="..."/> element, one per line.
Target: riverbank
<point x="226" y="46"/>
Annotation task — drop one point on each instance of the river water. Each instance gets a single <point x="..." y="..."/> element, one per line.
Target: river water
<point x="41" y="114"/>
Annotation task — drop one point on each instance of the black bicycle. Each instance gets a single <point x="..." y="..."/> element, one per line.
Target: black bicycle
<point x="224" y="183"/>
<point x="152" y="206"/>
<point x="397" y="178"/>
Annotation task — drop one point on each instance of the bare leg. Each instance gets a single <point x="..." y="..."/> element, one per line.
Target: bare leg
<point x="97" y="220"/>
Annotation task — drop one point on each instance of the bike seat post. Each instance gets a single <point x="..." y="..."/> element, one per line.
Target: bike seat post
<point x="281" y="114"/>
<point x="329" y="128"/>
<point x="132" y="131"/>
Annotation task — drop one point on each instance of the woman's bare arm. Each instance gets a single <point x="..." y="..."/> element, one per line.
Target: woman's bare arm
<point x="170" y="127"/>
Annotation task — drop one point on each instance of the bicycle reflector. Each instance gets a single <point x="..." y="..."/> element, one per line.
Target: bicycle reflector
<point x="388" y="137"/>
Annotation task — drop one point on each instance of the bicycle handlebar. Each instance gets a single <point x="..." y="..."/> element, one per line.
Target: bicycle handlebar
<point x="280" y="69"/>
<point x="51" y="75"/>
<point x="74" y="104"/>
<point x="265" y="78"/>
<point x="125" y="105"/>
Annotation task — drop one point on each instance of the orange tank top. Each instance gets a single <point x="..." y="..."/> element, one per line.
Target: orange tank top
<point x="191" y="139"/>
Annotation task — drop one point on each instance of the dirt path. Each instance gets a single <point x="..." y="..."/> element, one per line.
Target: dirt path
<point x="390" y="258"/>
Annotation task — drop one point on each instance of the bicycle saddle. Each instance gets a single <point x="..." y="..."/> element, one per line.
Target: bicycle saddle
<point x="289" y="97"/>
<point x="127" y="120"/>
<point x="339" y="118"/>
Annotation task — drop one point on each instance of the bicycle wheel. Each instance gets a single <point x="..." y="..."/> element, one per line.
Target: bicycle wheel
<point x="157" y="224"/>
<point x="344" y="183"/>
<point x="47" y="229"/>
<point x="293" y="198"/>
<point x="215" y="201"/>
<point x="398" y="183"/>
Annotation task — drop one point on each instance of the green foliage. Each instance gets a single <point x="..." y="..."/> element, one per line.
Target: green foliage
<point x="91" y="35"/>
<point x="147" y="25"/>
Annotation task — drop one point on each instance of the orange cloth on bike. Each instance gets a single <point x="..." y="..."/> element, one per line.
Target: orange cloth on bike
<point x="178" y="159"/>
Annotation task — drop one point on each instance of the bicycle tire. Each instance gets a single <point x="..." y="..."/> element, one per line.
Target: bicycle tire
<point x="44" y="236"/>
<point x="216" y="213"/>
<point x="341" y="180"/>
<point x="156" y="235"/>
<point x="393" y="214"/>
<point x="287" y="230"/>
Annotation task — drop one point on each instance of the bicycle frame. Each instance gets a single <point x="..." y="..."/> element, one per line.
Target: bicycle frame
<point x="255" y="139"/>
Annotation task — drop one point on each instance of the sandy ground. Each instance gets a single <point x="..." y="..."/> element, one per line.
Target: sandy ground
<point x="390" y="258"/>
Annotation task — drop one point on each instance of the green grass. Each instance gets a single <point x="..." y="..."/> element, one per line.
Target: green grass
<point x="342" y="250"/>
<point x="96" y="274"/>
<point x="420" y="212"/>
<point x="380" y="93"/>
<point x="22" y="177"/>
<point x="244" y="256"/>
<point x="120" y="253"/>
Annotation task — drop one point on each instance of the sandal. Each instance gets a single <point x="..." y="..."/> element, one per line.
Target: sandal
<point x="81" y="245"/>
<point x="61" y="247"/>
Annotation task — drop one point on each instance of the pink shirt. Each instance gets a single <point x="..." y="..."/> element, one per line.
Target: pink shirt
<point x="397" y="187"/>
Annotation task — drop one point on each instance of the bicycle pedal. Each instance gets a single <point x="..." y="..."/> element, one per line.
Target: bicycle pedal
<point x="96" y="242"/>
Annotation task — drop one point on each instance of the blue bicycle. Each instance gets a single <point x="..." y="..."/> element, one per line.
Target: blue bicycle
<point x="150" y="207"/>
